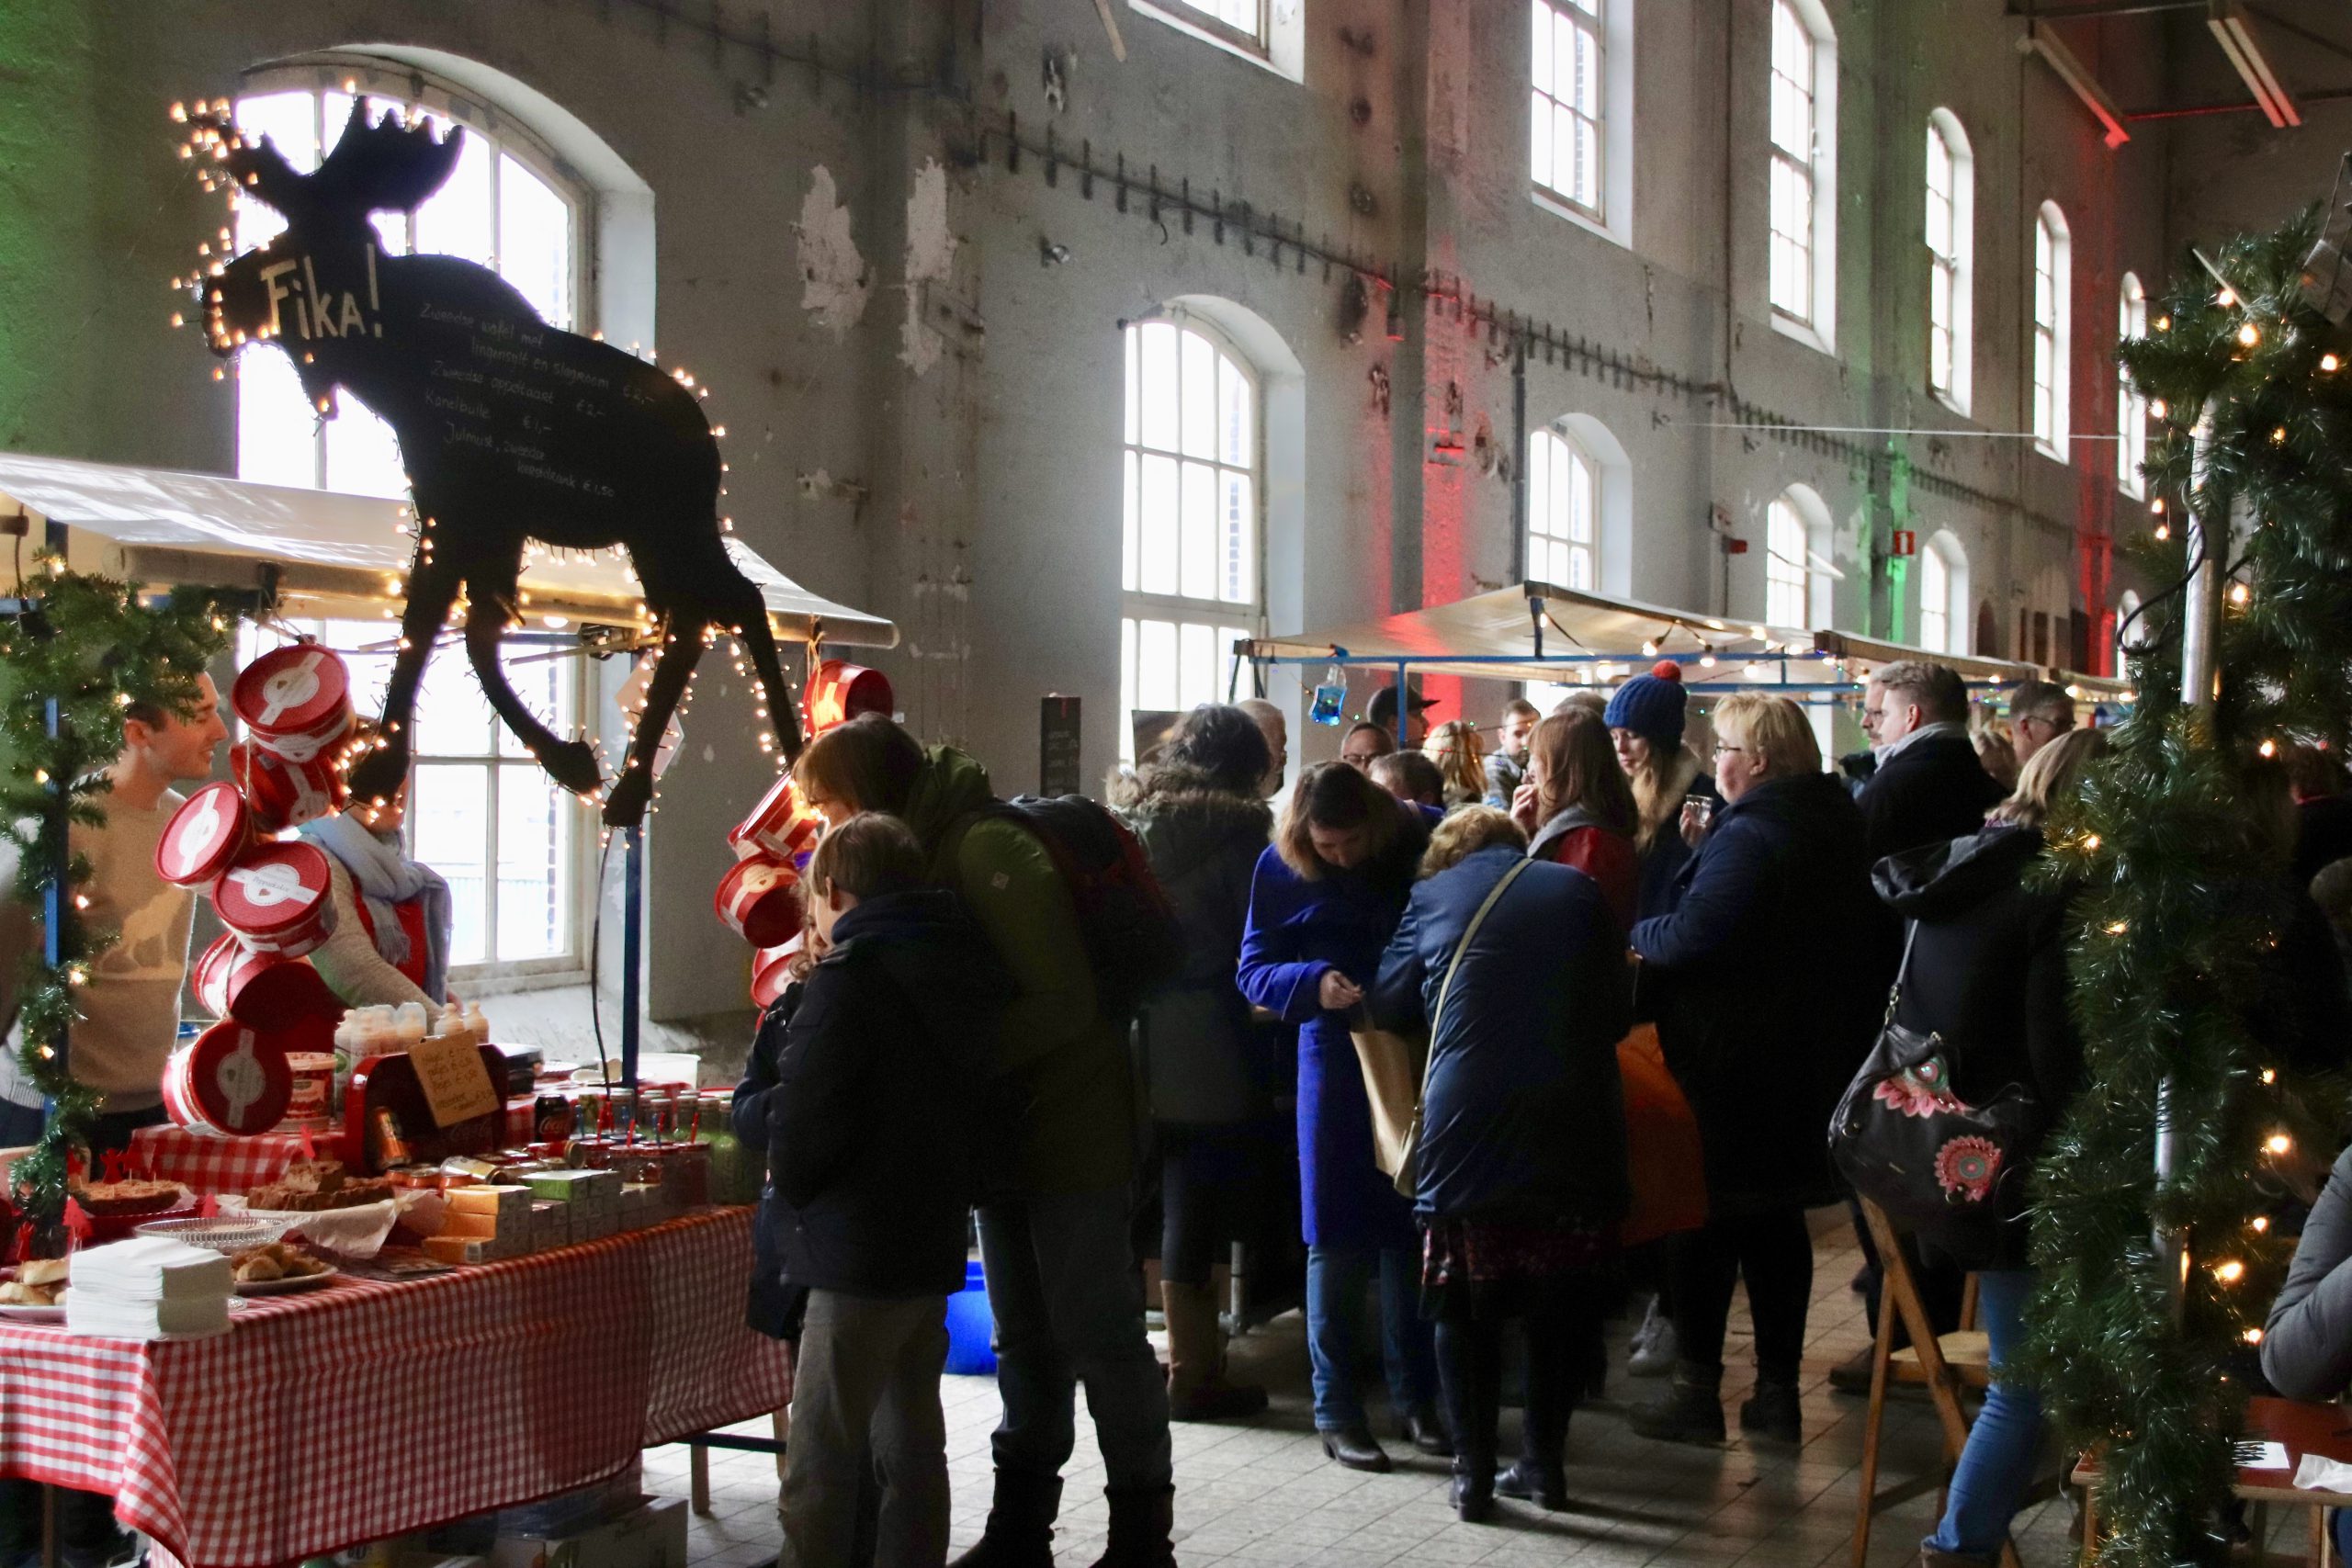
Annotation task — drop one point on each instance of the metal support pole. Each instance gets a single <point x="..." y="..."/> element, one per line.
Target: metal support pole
<point x="57" y="905"/>
<point x="1403" y="709"/>
<point x="632" y="947"/>
<point x="2207" y="542"/>
<point x="1522" y="441"/>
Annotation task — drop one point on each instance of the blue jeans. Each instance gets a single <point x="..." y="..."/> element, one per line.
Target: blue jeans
<point x="1068" y="1304"/>
<point x="1998" y="1464"/>
<point x="1337" y="1278"/>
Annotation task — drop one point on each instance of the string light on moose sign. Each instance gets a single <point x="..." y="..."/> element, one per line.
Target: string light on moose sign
<point x="512" y="431"/>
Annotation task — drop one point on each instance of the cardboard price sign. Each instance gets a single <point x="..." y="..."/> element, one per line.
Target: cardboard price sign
<point x="457" y="1085"/>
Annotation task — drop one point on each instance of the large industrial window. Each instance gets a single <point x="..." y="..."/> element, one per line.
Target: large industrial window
<point x="2131" y="407"/>
<point x="481" y="811"/>
<point x="1563" y="512"/>
<point x="2052" y="284"/>
<point x="1567" y="121"/>
<point x="1804" y="169"/>
<point x="503" y="206"/>
<point x="1238" y="22"/>
<point x="1193" y="479"/>
<point x="1951" y="234"/>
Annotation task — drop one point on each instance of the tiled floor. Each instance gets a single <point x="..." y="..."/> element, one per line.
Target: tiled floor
<point x="1264" y="1494"/>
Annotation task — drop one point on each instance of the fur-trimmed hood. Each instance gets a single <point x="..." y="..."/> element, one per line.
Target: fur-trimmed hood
<point x="1182" y="817"/>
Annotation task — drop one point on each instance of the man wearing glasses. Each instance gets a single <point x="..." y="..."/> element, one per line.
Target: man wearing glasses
<point x="2038" y="714"/>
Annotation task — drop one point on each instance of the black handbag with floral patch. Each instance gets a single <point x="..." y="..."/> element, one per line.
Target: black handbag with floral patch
<point x="1946" y="1170"/>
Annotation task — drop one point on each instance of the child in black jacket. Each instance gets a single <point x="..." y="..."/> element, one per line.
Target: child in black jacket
<point x="872" y="1142"/>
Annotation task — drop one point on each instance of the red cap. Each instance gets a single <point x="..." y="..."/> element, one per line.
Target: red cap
<point x="1667" y="670"/>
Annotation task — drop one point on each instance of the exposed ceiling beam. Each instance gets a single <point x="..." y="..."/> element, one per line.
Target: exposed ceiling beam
<point x="2041" y="40"/>
<point x="2233" y="29"/>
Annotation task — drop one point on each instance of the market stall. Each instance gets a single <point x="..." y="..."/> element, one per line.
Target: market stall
<point x="367" y="1409"/>
<point x="1542" y="632"/>
<point x="523" y="1269"/>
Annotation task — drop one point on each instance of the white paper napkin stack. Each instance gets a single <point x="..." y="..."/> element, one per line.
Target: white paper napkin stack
<point x="147" y="1288"/>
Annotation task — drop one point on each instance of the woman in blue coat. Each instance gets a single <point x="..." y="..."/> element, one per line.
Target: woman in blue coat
<point x="1326" y="897"/>
<point x="1521" y="1162"/>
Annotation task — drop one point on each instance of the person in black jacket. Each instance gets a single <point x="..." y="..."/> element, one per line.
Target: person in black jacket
<point x="1762" y="1036"/>
<point x="1987" y="974"/>
<point x="872" y="1149"/>
<point x="1521" y="1168"/>
<point x="1928" y="787"/>
<point x="1207" y="1068"/>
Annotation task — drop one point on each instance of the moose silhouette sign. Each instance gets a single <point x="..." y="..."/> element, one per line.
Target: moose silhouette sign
<point x="511" y="431"/>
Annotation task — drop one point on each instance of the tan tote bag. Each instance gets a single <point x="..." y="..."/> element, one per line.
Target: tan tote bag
<point x="1395" y="1066"/>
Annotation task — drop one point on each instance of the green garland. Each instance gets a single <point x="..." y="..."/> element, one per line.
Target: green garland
<point x="2168" y="956"/>
<point x="94" y="647"/>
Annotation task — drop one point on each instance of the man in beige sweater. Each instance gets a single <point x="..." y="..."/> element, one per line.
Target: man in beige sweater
<point x="130" y="1007"/>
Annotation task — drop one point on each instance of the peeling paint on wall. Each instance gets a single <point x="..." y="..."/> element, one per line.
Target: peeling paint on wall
<point x="930" y="251"/>
<point x="834" y="279"/>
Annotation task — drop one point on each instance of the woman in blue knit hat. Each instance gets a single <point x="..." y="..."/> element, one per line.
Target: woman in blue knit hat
<point x="1646" y="717"/>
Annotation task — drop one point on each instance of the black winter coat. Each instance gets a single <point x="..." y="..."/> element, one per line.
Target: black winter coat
<point x="1524" y="1118"/>
<point x="871" y="1126"/>
<point x="1768" y="980"/>
<point x="1204" y="1062"/>
<point x="1988" y="974"/>
<point x="1931" y="792"/>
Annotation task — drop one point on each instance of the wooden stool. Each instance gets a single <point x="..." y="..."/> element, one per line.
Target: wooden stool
<point x="2300" y="1428"/>
<point x="699" y="1445"/>
<point x="1945" y="1364"/>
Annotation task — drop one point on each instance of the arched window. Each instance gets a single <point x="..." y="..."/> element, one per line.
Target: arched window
<point x="1802" y="269"/>
<point x="1952" y="255"/>
<point x="482" y="813"/>
<point x="1784" y="567"/>
<point x="1563" y="511"/>
<point x="1943" y="596"/>
<point x="1193" y="469"/>
<point x="2053" y="284"/>
<point x="505" y="206"/>
<point x="2130" y="408"/>
<point x="1797" y="574"/>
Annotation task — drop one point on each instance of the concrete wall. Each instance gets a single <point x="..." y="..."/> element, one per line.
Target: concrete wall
<point x="929" y="425"/>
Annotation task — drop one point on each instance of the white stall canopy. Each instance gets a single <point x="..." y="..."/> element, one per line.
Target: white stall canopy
<point x="1538" y="631"/>
<point x="325" y="554"/>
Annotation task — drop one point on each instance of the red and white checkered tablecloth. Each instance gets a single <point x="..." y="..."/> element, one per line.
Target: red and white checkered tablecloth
<point x="364" y="1410"/>
<point x="209" y="1164"/>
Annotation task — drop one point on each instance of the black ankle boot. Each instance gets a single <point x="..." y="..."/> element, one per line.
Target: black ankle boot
<point x="1474" y="1490"/>
<point x="1692" y="1412"/>
<point x="1542" y="1482"/>
<point x="1019" y="1531"/>
<point x="1773" y="1410"/>
<point x="1141" y="1522"/>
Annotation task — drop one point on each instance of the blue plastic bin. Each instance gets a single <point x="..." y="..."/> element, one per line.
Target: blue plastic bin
<point x="970" y="1327"/>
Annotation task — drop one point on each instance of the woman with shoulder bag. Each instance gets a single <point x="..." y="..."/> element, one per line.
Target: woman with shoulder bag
<point x="1986" y="975"/>
<point x="1326" y="898"/>
<point x="1516" y="968"/>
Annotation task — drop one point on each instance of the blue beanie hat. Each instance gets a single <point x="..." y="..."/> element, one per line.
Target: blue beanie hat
<point x="1651" y="705"/>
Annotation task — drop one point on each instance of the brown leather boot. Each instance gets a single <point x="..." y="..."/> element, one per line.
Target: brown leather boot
<point x="1197" y="1390"/>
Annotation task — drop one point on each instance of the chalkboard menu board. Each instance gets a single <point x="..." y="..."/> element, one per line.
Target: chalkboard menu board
<point x="1058" y="758"/>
